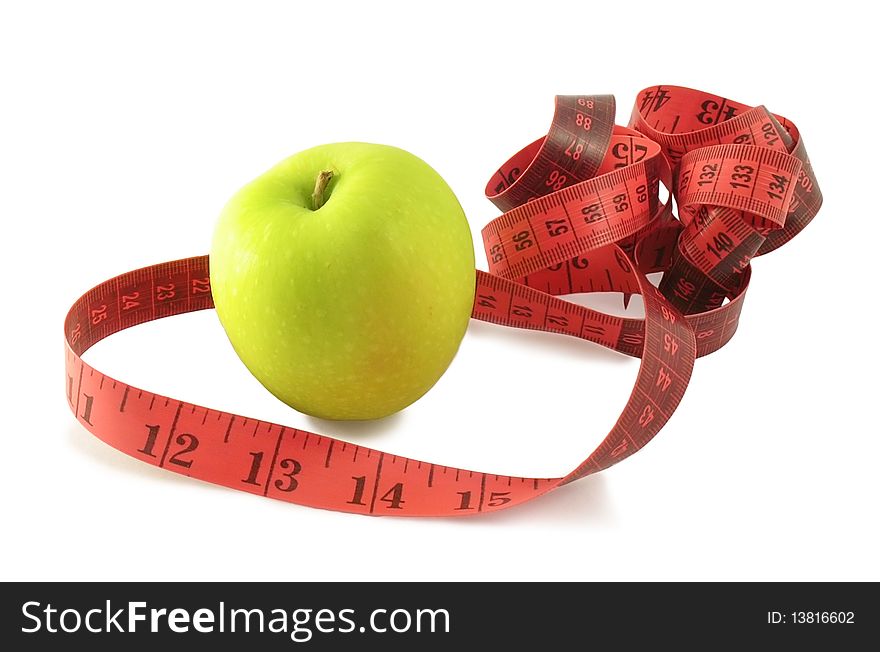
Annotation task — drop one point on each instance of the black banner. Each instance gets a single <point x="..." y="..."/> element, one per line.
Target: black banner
<point x="318" y="616"/>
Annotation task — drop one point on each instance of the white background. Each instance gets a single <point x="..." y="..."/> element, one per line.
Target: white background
<point x="125" y="129"/>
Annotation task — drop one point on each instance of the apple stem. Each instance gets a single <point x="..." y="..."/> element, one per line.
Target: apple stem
<point x="321" y="182"/>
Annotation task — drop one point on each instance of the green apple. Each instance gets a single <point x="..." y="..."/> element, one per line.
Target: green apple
<point x="344" y="278"/>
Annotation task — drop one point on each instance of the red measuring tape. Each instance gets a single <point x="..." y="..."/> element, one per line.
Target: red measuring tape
<point x="582" y="214"/>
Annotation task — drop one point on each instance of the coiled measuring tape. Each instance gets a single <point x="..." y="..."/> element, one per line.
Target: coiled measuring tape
<point x="581" y="214"/>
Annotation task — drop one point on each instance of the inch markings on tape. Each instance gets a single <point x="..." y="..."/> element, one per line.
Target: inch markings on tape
<point x="581" y="214"/>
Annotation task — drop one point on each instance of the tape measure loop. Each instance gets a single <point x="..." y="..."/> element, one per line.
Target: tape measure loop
<point x="742" y="180"/>
<point x="572" y="151"/>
